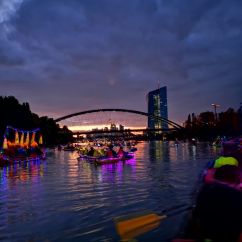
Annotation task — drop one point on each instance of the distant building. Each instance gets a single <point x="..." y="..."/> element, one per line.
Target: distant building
<point x="157" y="106"/>
<point x="113" y="127"/>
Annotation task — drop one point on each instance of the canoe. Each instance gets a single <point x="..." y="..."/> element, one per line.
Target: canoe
<point x="104" y="161"/>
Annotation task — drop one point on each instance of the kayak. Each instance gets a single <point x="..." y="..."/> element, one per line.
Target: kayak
<point x="110" y="160"/>
<point x="88" y="157"/>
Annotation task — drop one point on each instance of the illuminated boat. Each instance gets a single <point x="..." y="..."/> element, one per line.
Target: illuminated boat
<point x="25" y="148"/>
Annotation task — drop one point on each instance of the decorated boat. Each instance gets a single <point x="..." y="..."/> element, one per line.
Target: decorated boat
<point x="21" y="145"/>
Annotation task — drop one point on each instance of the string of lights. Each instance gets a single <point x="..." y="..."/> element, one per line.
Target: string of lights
<point x="23" y="131"/>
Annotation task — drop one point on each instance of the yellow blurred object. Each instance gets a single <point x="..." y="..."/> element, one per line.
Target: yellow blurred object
<point x="32" y="139"/>
<point x="22" y="139"/>
<point x="221" y="161"/>
<point x="131" y="228"/>
<point x="96" y="153"/>
<point x="16" y="142"/>
<point x="40" y="140"/>
<point x="5" y="143"/>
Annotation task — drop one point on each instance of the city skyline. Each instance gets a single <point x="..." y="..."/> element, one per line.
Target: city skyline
<point x="65" y="57"/>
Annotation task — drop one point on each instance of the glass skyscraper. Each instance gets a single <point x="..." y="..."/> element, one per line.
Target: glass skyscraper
<point x="157" y="106"/>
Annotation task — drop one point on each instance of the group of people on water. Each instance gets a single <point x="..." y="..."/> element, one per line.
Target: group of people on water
<point x="217" y="216"/>
<point x="109" y="152"/>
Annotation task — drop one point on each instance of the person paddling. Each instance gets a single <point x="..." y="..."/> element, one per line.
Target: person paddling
<point x="110" y="152"/>
<point x="121" y="153"/>
<point x="218" y="212"/>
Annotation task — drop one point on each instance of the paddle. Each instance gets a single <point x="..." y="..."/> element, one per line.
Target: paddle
<point x="131" y="226"/>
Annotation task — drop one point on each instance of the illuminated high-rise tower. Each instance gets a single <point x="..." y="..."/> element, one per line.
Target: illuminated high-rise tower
<point x="157" y="106"/>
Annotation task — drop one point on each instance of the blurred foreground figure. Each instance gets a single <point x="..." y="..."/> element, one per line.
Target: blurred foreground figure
<point x="217" y="216"/>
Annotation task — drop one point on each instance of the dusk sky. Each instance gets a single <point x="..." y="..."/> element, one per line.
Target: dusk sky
<point x="65" y="56"/>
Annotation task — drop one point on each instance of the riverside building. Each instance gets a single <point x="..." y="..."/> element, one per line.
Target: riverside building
<point x="157" y="106"/>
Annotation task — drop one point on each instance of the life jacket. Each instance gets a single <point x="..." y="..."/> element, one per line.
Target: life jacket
<point x="96" y="153"/>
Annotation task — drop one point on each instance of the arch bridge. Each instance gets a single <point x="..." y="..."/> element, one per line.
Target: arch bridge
<point x="174" y="125"/>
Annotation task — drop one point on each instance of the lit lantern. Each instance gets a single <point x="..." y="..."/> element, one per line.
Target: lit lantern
<point x="40" y="140"/>
<point x="16" y="138"/>
<point x="32" y="138"/>
<point x="5" y="143"/>
<point x="22" y="139"/>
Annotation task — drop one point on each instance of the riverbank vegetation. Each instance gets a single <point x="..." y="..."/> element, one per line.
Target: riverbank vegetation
<point x="208" y="125"/>
<point x="20" y="116"/>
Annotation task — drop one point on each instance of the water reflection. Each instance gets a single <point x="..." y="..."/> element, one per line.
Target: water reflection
<point x="117" y="171"/>
<point x="27" y="171"/>
<point x="176" y="151"/>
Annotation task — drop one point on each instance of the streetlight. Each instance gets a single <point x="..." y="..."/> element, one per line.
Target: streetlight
<point x="215" y="110"/>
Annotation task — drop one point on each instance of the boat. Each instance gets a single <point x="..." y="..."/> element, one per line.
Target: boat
<point x="88" y="157"/>
<point x="17" y="150"/>
<point x="111" y="160"/>
<point x="105" y="161"/>
<point x="217" y="211"/>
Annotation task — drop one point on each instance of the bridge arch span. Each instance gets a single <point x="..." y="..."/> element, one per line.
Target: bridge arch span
<point x="173" y="124"/>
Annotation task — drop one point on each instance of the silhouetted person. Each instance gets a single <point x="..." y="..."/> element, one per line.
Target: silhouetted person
<point x="218" y="212"/>
<point x="110" y="152"/>
<point x="91" y="152"/>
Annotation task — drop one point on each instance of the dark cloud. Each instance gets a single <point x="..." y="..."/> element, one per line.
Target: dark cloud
<point x="67" y="56"/>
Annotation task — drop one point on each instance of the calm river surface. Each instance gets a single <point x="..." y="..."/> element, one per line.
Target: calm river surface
<point x="63" y="199"/>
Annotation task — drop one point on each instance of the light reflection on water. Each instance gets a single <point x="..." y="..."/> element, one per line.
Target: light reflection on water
<point x="63" y="199"/>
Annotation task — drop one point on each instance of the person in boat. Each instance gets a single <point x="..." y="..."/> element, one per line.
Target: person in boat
<point x="226" y="159"/>
<point x="111" y="152"/>
<point x="91" y="152"/>
<point x="121" y="153"/>
<point x="217" y="216"/>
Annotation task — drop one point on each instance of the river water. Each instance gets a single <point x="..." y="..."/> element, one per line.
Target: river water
<point x="63" y="199"/>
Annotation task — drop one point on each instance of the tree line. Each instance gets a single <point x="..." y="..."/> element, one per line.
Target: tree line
<point x="20" y="116"/>
<point x="208" y="125"/>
